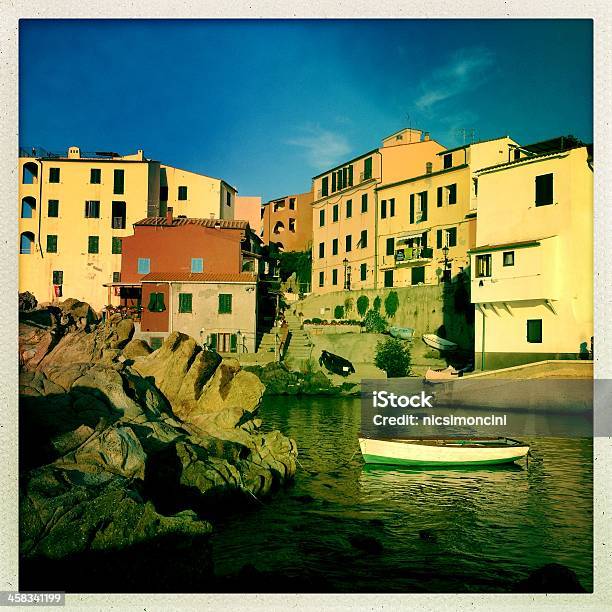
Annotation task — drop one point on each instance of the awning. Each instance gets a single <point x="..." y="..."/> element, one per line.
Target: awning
<point x="121" y="285"/>
<point x="405" y="237"/>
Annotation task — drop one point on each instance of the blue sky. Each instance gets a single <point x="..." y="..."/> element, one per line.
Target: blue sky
<point x="266" y="105"/>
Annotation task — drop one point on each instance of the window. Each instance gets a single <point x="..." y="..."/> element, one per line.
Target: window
<point x="116" y="246"/>
<point x="334" y="277"/>
<point x="321" y="279"/>
<point x="335" y="246"/>
<point x="321" y="250"/>
<point x="363" y="241"/>
<point x="390" y="246"/>
<point x="348" y="244"/>
<point x="367" y="168"/>
<point x="452" y="193"/>
<point x="51" y="243"/>
<point x="116" y="277"/>
<point x="440" y="200"/>
<point x="28" y="204"/>
<point x="363" y="271"/>
<point x="119" y="181"/>
<point x="26" y="242"/>
<point x="325" y="186"/>
<point x="392" y="207"/>
<point x="30" y="173"/>
<point x="53" y="208"/>
<point x="182" y="192"/>
<point x="185" y="302"/>
<point x="417" y="275"/>
<point x="349" y="208"/>
<point x="439" y="239"/>
<point x="163" y="193"/>
<point x="483" y="266"/>
<point x="335" y="213"/>
<point x="388" y="278"/>
<point x="428" y="168"/>
<point x="383" y="209"/>
<point x="156" y="302"/>
<point x="225" y="303"/>
<point x="291" y="203"/>
<point x="144" y="265"/>
<point x="54" y="175"/>
<point x="321" y="218"/>
<point x="517" y="153"/>
<point x="58" y="277"/>
<point x="93" y="244"/>
<point x="448" y="161"/>
<point x="292" y="225"/>
<point x="534" y="331"/>
<point x="95" y="176"/>
<point x="544" y="189"/>
<point x="364" y="203"/>
<point x="197" y="265"/>
<point x="451" y="237"/>
<point x="118" y="215"/>
<point x="418" y="207"/>
<point x="92" y="209"/>
<point x="508" y="258"/>
<point x="228" y="199"/>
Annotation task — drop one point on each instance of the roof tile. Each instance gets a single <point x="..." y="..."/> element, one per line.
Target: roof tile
<point x="200" y="277"/>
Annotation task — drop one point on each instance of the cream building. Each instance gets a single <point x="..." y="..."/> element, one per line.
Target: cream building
<point x="426" y="222"/>
<point x="346" y="201"/>
<point x="74" y="210"/>
<point x="532" y="267"/>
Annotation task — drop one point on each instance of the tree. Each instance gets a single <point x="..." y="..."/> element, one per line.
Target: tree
<point x="391" y="303"/>
<point x="374" y="322"/>
<point x="376" y="304"/>
<point x="363" y="302"/>
<point x="348" y="305"/>
<point x="339" y="312"/>
<point x="393" y="356"/>
<point x="299" y="262"/>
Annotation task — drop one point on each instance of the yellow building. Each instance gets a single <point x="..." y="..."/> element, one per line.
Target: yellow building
<point x="532" y="267"/>
<point x="74" y="209"/>
<point x="344" y="222"/>
<point x="426" y="223"/>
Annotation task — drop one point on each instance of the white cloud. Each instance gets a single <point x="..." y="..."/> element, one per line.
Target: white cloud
<point x="321" y="148"/>
<point x="467" y="70"/>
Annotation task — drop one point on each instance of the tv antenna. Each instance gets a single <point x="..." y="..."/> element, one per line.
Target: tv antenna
<point x="467" y="133"/>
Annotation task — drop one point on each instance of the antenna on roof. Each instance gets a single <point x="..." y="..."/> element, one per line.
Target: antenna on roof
<point x="409" y="126"/>
<point x="467" y="133"/>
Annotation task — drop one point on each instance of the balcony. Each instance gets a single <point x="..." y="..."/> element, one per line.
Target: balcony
<point x="365" y="176"/>
<point x="408" y="255"/>
<point x="118" y="222"/>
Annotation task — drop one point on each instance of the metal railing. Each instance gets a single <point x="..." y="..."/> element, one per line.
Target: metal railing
<point x="413" y="253"/>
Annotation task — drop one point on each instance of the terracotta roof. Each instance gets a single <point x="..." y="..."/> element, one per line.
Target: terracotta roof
<point x="200" y="277"/>
<point x="176" y="221"/>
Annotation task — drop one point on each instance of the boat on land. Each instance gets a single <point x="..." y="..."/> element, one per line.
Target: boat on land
<point x="336" y="364"/>
<point x="442" y="344"/>
<point x="442" y="375"/>
<point x="442" y="451"/>
<point x="403" y="333"/>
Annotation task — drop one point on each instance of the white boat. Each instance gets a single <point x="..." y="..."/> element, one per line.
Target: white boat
<point x="439" y="343"/>
<point x="403" y="333"/>
<point x="448" y="451"/>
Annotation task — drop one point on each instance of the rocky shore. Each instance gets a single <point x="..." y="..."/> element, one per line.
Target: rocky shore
<point x="123" y="448"/>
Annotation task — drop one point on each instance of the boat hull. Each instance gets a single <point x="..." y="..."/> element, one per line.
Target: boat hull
<point x="388" y="452"/>
<point x="439" y="343"/>
<point x="403" y="333"/>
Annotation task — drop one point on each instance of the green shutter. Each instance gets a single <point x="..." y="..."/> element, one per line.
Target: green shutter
<point x="233" y="343"/>
<point x="213" y="342"/>
<point x="383" y="209"/>
<point x="51" y="243"/>
<point x="333" y="181"/>
<point x="440" y="196"/>
<point x="185" y="302"/>
<point x="412" y="208"/>
<point x="350" y="175"/>
<point x="544" y="189"/>
<point x="118" y="181"/>
<point x="324" y="186"/>
<point x="452" y="193"/>
<point x="424" y="206"/>
<point x="116" y="248"/>
<point x="390" y="246"/>
<point x="349" y="208"/>
<point x="225" y="303"/>
<point x="367" y="168"/>
<point x="534" y="330"/>
<point x="439" y="239"/>
<point x="53" y="208"/>
<point x="152" y="302"/>
<point x="392" y="207"/>
<point x="93" y="244"/>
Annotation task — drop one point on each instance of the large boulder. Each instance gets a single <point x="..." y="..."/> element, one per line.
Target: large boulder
<point x="78" y="310"/>
<point x="27" y="302"/>
<point x="136" y="348"/>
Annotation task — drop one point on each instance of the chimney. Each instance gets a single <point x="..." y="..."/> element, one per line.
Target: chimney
<point x="169" y="215"/>
<point x="426" y="137"/>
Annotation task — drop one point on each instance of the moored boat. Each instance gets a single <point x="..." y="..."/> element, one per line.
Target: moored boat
<point x="403" y="333"/>
<point x="442" y="375"/>
<point x="439" y="343"/>
<point x="446" y="451"/>
<point x="336" y="364"/>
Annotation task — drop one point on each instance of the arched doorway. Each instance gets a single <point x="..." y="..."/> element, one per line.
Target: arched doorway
<point x="30" y="173"/>
<point x="28" y="206"/>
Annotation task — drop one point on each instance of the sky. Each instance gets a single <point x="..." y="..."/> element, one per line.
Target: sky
<point x="268" y="104"/>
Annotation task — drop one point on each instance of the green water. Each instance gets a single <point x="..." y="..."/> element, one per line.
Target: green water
<point x="442" y="530"/>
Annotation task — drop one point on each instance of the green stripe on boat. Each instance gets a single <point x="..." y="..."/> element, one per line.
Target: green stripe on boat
<point x="392" y="461"/>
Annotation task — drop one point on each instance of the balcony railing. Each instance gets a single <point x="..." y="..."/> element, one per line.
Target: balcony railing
<point x="412" y="254"/>
<point x="118" y="222"/>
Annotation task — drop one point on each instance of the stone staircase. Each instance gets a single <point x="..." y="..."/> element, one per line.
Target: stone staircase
<point x="299" y="347"/>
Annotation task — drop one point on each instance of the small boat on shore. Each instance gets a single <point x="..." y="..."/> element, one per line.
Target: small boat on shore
<point x="442" y="375"/>
<point x="445" y="451"/>
<point x="336" y="364"/>
<point x="403" y="333"/>
<point x="439" y="343"/>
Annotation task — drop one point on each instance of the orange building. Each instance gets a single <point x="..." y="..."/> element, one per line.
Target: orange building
<point x="287" y="221"/>
<point x="248" y="208"/>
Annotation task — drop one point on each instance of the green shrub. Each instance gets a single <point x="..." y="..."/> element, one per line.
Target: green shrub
<point x="339" y="312"/>
<point x="376" y="304"/>
<point x="374" y="322"/>
<point x="316" y="320"/>
<point x="363" y="302"/>
<point x="391" y="303"/>
<point x="393" y="356"/>
<point x="348" y="305"/>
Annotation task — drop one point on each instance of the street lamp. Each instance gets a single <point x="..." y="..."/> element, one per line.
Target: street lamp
<point x="347" y="274"/>
<point x="444" y="273"/>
